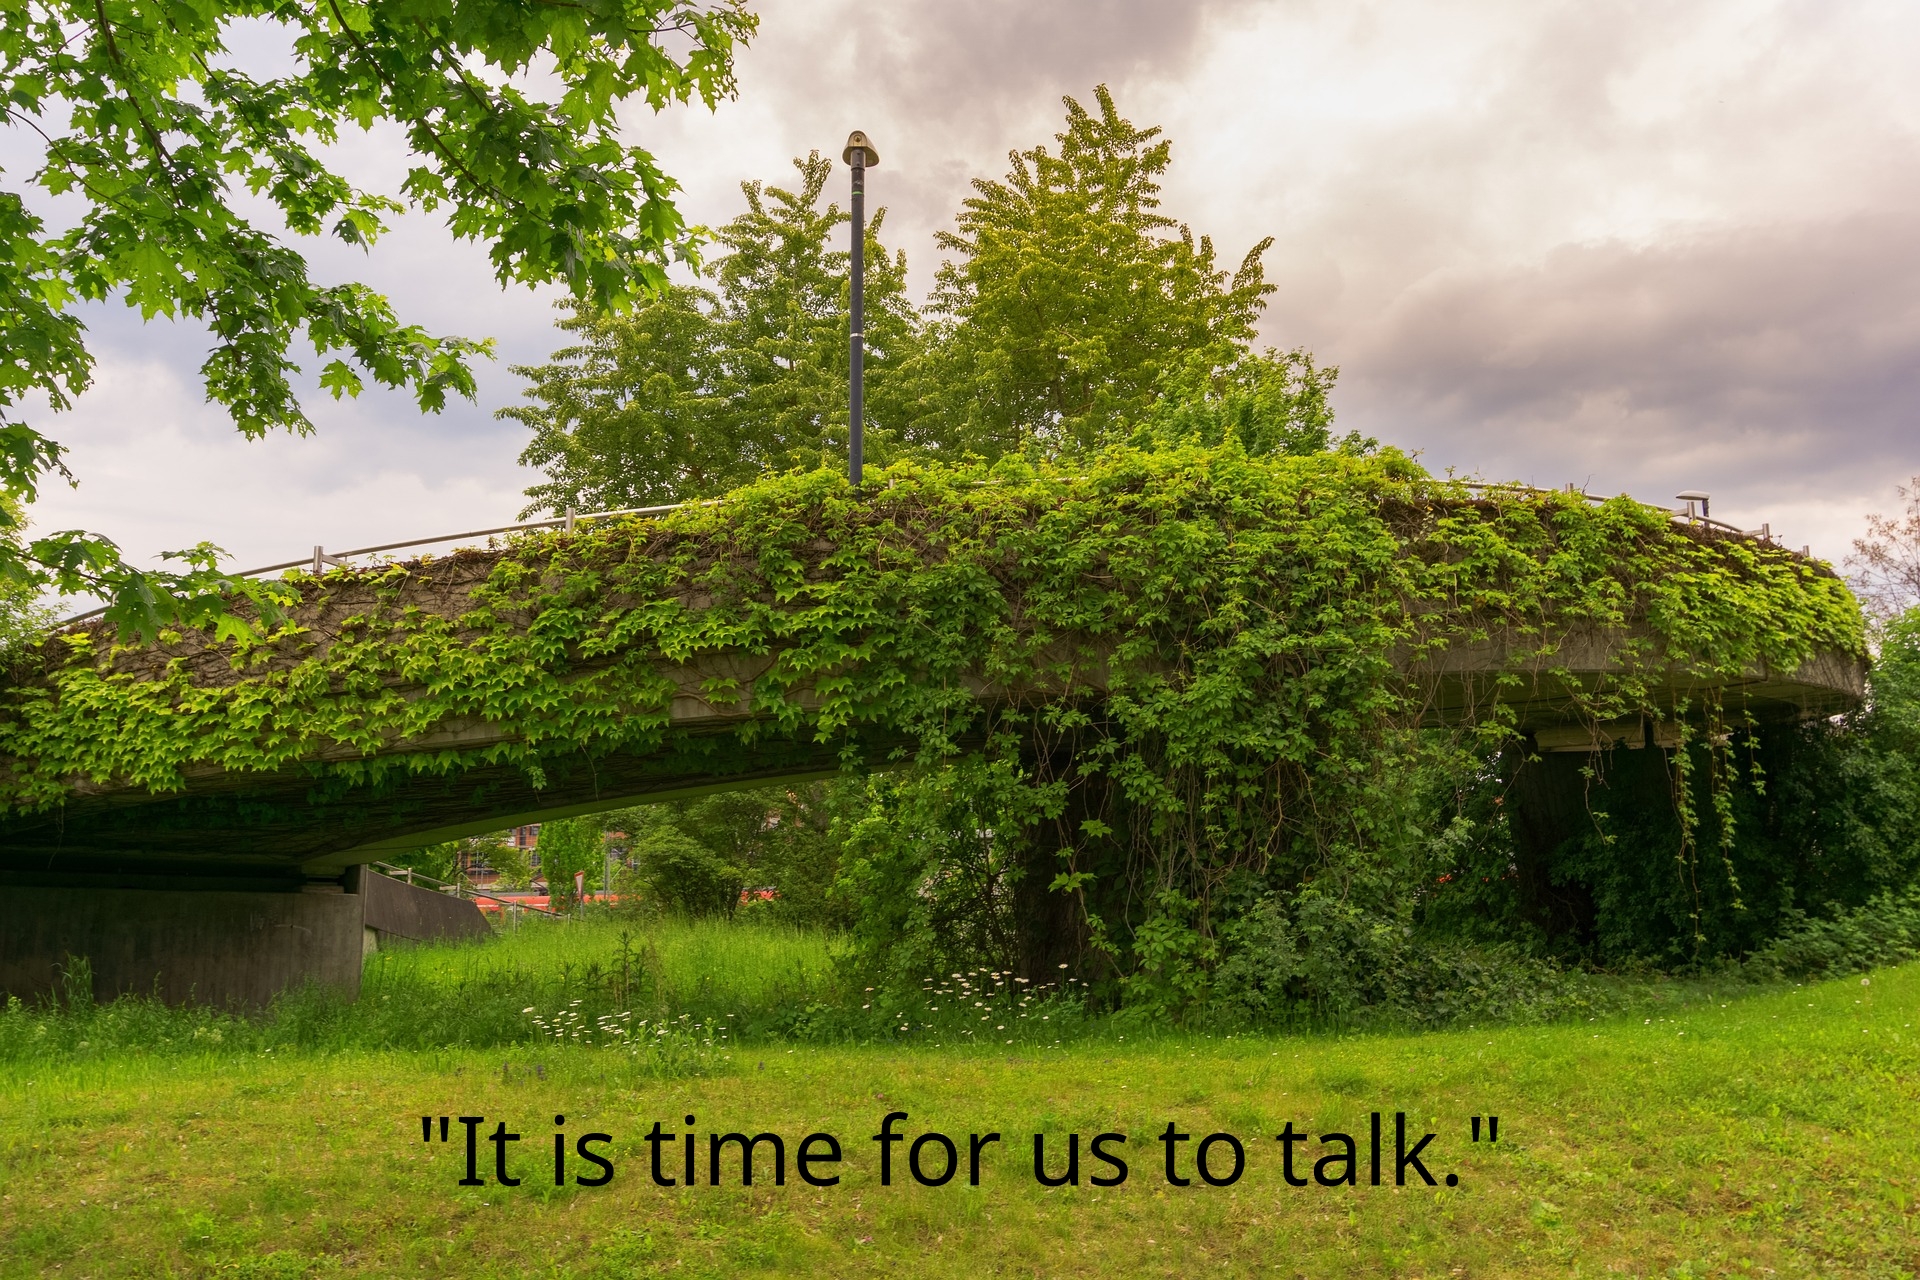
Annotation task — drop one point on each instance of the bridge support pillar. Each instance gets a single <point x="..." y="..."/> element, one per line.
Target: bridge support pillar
<point x="220" y="948"/>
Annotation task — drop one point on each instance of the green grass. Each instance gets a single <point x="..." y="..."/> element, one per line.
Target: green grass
<point x="705" y="961"/>
<point x="751" y="977"/>
<point x="1766" y="1135"/>
<point x="707" y="968"/>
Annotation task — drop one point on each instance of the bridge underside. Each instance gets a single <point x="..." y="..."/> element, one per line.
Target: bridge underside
<point x="283" y="830"/>
<point x="280" y="831"/>
<point x="246" y="885"/>
<point x="298" y="833"/>
<point x="1466" y="685"/>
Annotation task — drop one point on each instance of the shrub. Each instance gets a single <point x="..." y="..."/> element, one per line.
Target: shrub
<point x="1325" y="960"/>
<point x="681" y="873"/>
<point x="568" y="847"/>
<point x="1884" y="931"/>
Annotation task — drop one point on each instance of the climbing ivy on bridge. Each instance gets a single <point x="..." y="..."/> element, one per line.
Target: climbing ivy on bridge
<point x="1192" y="658"/>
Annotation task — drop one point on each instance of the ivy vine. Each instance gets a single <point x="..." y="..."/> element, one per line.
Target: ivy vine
<point x="1219" y="645"/>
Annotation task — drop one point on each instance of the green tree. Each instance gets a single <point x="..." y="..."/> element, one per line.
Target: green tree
<point x="512" y="864"/>
<point x="695" y="856"/>
<point x="777" y="838"/>
<point x="23" y="619"/>
<point x="681" y="873"/>
<point x="702" y="389"/>
<point x="785" y="296"/>
<point x="149" y="125"/>
<point x="566" y="847"/>
<point x="1275" y="402"/>
<point x="1071" y="305"/>
<point x="631" y="415"/>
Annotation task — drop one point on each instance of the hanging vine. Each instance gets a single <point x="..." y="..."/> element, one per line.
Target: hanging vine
<point x="1200" y="663"/>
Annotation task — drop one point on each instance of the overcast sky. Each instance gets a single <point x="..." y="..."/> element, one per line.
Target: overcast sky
<point x="1643" y="247"/>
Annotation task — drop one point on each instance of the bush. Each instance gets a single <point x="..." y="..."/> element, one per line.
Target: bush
<point x="1331" y="961"/>
<point x="696" y="857"/>
<point x="1884" y="931"/>
<point x="925" y="874"/>
<point x="681" y="874"/>
<point x="568" y="847"/>
<point x="467" y="995"/>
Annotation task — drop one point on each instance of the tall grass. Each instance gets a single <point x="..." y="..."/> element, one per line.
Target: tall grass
<point x="677" y="988"/>
<point x="748" y="977"/>
<point x="700" y="967"/>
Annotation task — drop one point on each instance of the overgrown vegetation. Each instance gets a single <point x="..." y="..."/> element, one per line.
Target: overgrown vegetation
<point x="1200" y="752"/>
<point x="684" y="994"/>
<point x="767" y="852"/>
<point x="1826" y="834"/>
<point x="750" y="978"/>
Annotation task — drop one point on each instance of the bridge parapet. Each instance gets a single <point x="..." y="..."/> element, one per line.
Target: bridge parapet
<point x="794" y="629"/>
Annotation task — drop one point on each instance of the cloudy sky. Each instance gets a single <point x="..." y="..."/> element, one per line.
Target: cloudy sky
<point x="1642" y="247"/>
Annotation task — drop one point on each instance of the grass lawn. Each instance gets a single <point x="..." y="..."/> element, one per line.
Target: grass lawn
<point x="1773" y="1135"/>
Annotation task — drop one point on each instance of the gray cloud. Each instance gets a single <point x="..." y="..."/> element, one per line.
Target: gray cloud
<point x="1639" y="245"/>
<point x="1780" y="364"/>
<point x="970" y="69"/>
<point x="1798" y="329"/>
<point x="946" y="90"/>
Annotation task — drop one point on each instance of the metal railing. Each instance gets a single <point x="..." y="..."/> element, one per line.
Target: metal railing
<point x="321" y="557"/>
<point x="468" y="891"/>
<point x="1686" y="514"/>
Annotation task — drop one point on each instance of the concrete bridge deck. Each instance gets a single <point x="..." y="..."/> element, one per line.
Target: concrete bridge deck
<point x="307" y="823"/>
<point x="268" y="830"/>
<point x="279" y="830"/>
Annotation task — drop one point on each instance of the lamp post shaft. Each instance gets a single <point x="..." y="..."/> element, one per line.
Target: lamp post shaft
<point x="857" y="327"/>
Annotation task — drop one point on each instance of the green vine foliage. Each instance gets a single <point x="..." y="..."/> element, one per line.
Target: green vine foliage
<point x="1806" y="820"/>
<point x="1191" y="678"/>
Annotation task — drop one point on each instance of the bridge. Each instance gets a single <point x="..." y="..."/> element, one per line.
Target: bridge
<point x="591" y="717"/>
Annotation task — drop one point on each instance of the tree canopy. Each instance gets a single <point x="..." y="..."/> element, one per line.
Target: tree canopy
<point x="697" y="390"/>
<point x="1066" y="308"/>
<point x="155" y="124"/>
<point x="1070" y="314"/>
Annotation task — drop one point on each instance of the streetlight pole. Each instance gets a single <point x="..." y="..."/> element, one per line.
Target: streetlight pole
<point x="859" y="154"/>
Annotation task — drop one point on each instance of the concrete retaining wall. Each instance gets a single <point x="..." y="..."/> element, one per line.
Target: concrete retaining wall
<point x="396" y="909"/>
<point x="215" y="948"/>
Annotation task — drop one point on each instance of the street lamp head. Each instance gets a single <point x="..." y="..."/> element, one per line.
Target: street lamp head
<point x="1693" y="497"/>
<point x="857" y="141"/>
